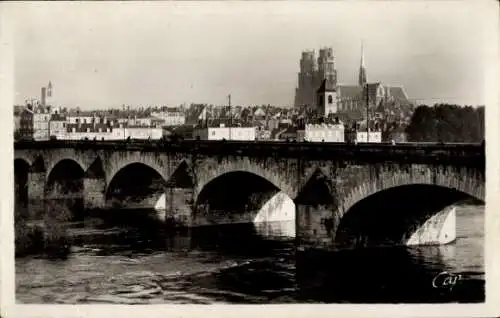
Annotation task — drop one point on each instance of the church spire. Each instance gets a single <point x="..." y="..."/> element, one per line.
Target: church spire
<point x="362" y="70"/>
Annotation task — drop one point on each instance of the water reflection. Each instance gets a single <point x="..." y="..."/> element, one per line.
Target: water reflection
<point x="132" y="258"/>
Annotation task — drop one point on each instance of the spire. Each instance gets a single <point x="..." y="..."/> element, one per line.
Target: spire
<point x="362" y="56"/>
<point x="362" y="70"/>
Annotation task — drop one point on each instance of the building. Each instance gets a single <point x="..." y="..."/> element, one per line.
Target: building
<point x="327" y="98"/>
<point x="81" y="117"/>
<point x="312" y="73"/>
<point x="41" y="119"/>
<point x="324" y="132"/>
<point x="50" y="92"/>
<point x="289" y="134"/>
<point x="350" y="98"/>
<point x="370" y="137"/>
<point x="46" y="95"/>
<point x="326" y="66"/>
<point x="171" y="116"/>
<point x="57" y="127"/>
<point x="223" y="132"/>
<point x="263" y="134"/>
<point x="364" y="136"/>
<point x="25" y="128"/>
<point x="43" y="96"/>
<point x="102" y="131"/>
<point x="139" y="132"/>
<point x="305" y="92"/>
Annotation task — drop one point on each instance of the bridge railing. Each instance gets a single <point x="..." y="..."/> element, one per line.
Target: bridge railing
<point x="459" y="153"/>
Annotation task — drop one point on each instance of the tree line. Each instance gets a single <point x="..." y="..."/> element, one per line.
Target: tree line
<point x="446" y="123"/>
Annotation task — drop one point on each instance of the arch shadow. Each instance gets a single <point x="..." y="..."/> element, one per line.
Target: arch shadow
<point x="242" y="211"/>
<point x="21" y="175"/>
<point x="135" y="186"/>
<point x="391" y="216"/>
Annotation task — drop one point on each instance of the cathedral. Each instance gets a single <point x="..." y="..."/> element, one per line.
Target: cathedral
<point x="318" y="89"/>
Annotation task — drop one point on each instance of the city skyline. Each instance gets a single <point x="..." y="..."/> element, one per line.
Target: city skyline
<point x="174" y="53"/>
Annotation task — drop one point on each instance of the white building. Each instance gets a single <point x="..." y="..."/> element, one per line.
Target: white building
<point x="140" y="121"/>
<point x="41" y="119"/>
<point x="324" y="132"/>
<point x="57" y="127"/>
<point x="111" y="133"/>
<point x="228" y="133"/>
<point x="171" y="117"/>
<point x="80" y="118"/>
<point x="143" y="132"/>
<point x="371" y="137"/>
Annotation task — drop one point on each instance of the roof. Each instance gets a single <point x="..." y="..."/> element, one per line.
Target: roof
<point x="58" y="117"/>
<point x="327" y="86"/>
<point x="349" y="91"/>
<point x="81" y="114"/>
<point x="397" y="92"/>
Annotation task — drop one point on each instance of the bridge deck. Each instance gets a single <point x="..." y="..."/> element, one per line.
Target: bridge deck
<point x="457" y="153"/>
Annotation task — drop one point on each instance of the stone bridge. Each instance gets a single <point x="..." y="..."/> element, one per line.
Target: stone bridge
<point x="343" y="194"/>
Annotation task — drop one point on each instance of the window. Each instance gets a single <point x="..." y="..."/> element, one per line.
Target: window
<point x="330" y="99"/>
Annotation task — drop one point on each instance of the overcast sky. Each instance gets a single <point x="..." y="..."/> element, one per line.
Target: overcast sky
<point x="108" y="54"/>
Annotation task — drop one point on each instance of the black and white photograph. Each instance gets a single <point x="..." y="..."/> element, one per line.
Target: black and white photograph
<point x="217" y="153"/>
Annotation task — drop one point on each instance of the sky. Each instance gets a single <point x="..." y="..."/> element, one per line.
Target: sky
<point x="101" y="55"/>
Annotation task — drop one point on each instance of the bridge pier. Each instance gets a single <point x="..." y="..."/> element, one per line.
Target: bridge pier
<point x="315" y="226"/>
<point x="36" y="193"/>
<point x="179" y="207"/>
<point x="94" y="193"/>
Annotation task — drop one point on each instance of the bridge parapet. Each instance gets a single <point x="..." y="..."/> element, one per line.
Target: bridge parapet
<point x="457" y="154"/>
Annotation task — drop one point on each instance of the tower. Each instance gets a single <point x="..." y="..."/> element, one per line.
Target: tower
<point x="362" y="70"/>
<point x="49" y="94"/>
<point x="326" y="67"/>
<point x="43" y="96"/>
<point x="305" y="92"/>
<point x="326" y="98"/>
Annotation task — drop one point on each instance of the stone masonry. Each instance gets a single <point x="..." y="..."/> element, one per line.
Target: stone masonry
<point x="344" y="174"/>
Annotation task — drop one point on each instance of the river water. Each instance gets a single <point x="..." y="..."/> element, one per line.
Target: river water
<point x="248" y="264"/>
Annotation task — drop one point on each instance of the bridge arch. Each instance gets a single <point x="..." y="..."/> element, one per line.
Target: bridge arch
<point x="209" y="171"/>
<point x="21" y="175"/>
<point x="24" y="158"/>
<point x="52" y="164"/>
<point x="240" y="196"/>
<point x="116" y="162"/>
<point x="469" y="181"/>
<point x="391" y="208"/>
<point x="65" y="178"/>
<point x="135" y="185"/>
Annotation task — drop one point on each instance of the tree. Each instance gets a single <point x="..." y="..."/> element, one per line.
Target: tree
<point x="446" y="123"/>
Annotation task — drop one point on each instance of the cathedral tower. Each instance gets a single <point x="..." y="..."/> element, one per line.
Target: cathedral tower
<point x="362" y="69"/>
<point x="305" y="92"/>
<point x="326" y="67"/>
